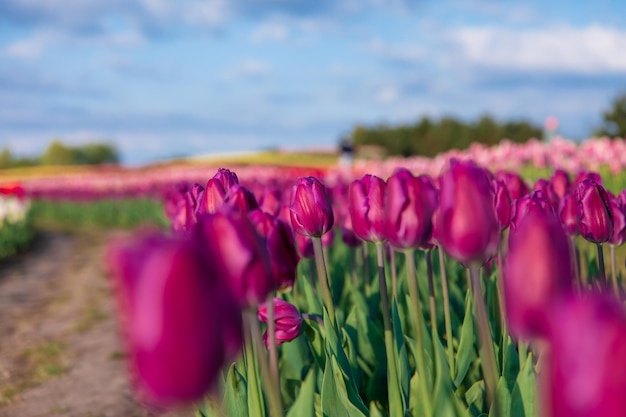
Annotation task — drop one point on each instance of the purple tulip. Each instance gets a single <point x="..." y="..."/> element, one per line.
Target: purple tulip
<point x="568" y="212"/>
<point x="548" y="193"/>
<point x="281" y="247"/>
<point x="410" y="204"/>
<point x="467" y="225"/>
<point x="594" y="212"/>
<point x="534" y="201"/>
<point x="311" y="209"/>
<point x="241" y="199"/>
<point x="287" y="319"/>
<point x="232" y="242"/>
<point x="179" y="208"/>
<point x="618" y="212"/>
<point x="586" y="175"/>
<point x="304" y="245"/>
<point x="227" y="178"/>
<point x="560" y="183"/>
<point x="502" y="203"/>
<point x="169" y="294"/>
<point x="585" y="374"/>
<point x="211" y="198"/>
<point x="367" y="208"/>
<point x="537" y="272"/>
<point x="271" y="201"/>
<point x="514" y="184"/>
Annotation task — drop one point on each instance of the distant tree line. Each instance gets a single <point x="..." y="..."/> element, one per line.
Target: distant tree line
<point x="58" y="153"/>
<point x="429" y="137"/>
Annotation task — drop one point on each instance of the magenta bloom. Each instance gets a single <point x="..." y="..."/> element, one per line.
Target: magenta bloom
<point x="537" y="272"/>
<point x="568" y="212"/>
<point x="241" y="199"/>
<point x="304" y="245"/>
<point x="514" y="184"/>
<point x="180" y="209"/>
<point x="585" y="375"/>
<point x="467" y="225"/>
<point x="409" y="209"/>
<point x="502" y="203"/>
<point x="211" y="198"/>
<point x="232" y="243"/>
<point x="547" y="191"/>
<point x="366" y="203"/>
<point x="560" y="183"/>
<point x="287" y="318"/>
<point x="271" y="201"/>
<point x="226" y="177"/>
<point x="534" y="201"/>
<point x="311" y="208"/>
<point x="281" y="247"/>
<point x="618" y="212"/>
<point x="169" y="296"/>
<point x="594" y="212"/>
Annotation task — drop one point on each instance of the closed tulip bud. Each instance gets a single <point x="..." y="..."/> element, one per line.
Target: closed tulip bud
<point x="179" y="208"/>
<point x="468" y="229"/>
<point x="366" y="205"/>
<point x="537" y="272"/>
<point x="410" y="204"/>
<point x="534" y="201"/>
<point x="227" y="178"/>
<point x="548" y="193"/>
<point x="241" y="199"/>
<point x="311" y="209"/>
<point x="231" y="241"/>
<point x="211" y="198"/>
<point x="503" y="204"/>
<point x="169" y="298"/>
<point x="560" y="183"/>
<point x="586" y="175"/>
<point x="287" y="319"/>
<point x="514" y="184"/>
<point x="594" y="212"/>
<point x="622" y="197"/>
<point x="618" y="212"/>
<point x="568" y="212"/>
<point x="328" y="238"/>
<point x="281" y="247"/>
<point x="585" y="373"/>
<point x="304" y="245"/>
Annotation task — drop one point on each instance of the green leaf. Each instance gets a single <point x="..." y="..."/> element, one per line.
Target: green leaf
<point x="475" y="397"/>
<point x="467" y="351"/>
<point x="524" y="397"/>
<point x="402" y="360"/>
<point x="375" y="410"/>
<point x="304" y="406"/>
<point x="236" y="393"/>
<point x="335" y="399"/>
<point x="503" y="399"/>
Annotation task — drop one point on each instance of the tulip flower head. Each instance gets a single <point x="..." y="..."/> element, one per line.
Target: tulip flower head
<point x="594" y="212"/>
<point x="568" y="212"/>
<point x="311" y="209"/>
<point x="367" y="208"/>
<point x="287" y="319"/>
<point x="618" y="211"/>
<point x="502" y="203"/>
<point x="467" y="224"/>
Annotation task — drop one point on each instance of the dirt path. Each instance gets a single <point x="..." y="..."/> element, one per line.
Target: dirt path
<point x="59" y="350"/>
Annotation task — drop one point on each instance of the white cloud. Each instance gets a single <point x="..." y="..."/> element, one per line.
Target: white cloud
<point x="31" y="47"/>
<point x="249" y="68"/>
<point x="269" y="31"/>
<point x="387" y="94"/>
<point x="402" y="53"/>
<point x="590" y="50"/>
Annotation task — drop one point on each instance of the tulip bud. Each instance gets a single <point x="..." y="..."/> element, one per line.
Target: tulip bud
<point x="409" y="208"/>
<point x="304" y="245"/>
<point x="271" y="201"/>
<point x="328" y="238"/>
<point x="537" y="271"/>
<point x="281" y="247"/>
<point x="585" y="175"/>
<point x="366" y="205"/>
<point x="231" y="241"/>
<point x="568" y="212"/>
<point x="287" y="319"/>
<point x="560" y="183"/>
<point x="502" y="204"/>
<point x="311" y="209"/>
<point x="534" y="201"/>
<point x="227" y="178"/>
<point x="241" y="199"/>
<point x="594" y="212"/>
<point x="618" y="212"/>
<point x="468" y="229"/>
<point x="545" y="187"/>
<point x="514" y="184"/>
<point x="585" y="373"/>
<point x="179" y="208"/>
<point x="212" y="198"/>
<point x="169" y="297"/>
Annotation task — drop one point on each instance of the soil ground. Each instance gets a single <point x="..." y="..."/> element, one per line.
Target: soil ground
<point x="60" y="354"/>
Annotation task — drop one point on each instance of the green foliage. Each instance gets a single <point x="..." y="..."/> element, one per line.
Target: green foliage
<point x="614" y="119"/>
<point x="15" y="236"/>
<point x="58" y="153"/>
<point x="429" y="137"/>
<point x="113" y="213"/>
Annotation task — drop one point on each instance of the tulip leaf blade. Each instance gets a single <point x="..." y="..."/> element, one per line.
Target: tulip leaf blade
<point x="466" y="352"/>
<point x="524" y="396"/>
<point x="335" y="395"/>
<point x="304" y="406"/>
<point x="401" y="358"/>
<point x="236" y="393"/>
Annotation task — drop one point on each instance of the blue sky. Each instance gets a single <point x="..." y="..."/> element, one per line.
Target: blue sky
<point x="176" y="77"/>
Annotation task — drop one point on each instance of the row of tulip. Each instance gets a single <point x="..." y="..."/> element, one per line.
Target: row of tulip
<point x="368" y="332"/>
<point x="596" y="154"/>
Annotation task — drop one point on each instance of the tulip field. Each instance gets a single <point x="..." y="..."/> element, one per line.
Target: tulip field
<point x="487" y="282"/>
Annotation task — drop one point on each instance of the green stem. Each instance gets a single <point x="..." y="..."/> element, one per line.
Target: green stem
<point x="487" y="354"/>
<point x="355" y="279"/>
<point x="446" y="312"/>
<point x="255" y="405"/>
<point x="322" y="276"/>
<point x="522" y="348"/>
<point x="271" y="334"/>
<point x="602" y="277"/>
<point x="417" y="311"/>
<point x="614" y="271"/>
<point x="366" y="263"/>
<point x="271" y="390"/>
<point x="392" y="365"/>
<point x="394" y="278"/>
<point x="431" y="299"/>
